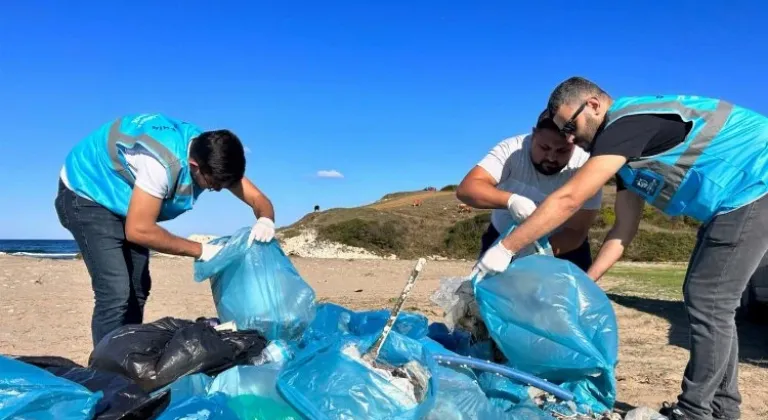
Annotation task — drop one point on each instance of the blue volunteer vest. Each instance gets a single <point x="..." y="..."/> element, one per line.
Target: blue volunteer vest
<point x="719" y="167"/>
<point x="97" y="170"/>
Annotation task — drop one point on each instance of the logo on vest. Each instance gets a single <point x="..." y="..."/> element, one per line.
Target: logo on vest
<point x="646" y="183"/>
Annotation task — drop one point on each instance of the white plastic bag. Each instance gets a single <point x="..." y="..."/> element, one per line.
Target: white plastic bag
<point x="457" y="298"/>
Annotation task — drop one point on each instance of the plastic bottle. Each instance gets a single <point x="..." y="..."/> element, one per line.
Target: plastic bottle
<point x="276" y="352"/>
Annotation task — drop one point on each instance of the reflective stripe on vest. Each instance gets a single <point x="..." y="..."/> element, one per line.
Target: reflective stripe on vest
<point x="116" y="137"/>
<point x="674" y="174"/>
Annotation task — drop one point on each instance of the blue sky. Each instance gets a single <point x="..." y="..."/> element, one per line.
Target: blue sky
<point x="394" y="95"/>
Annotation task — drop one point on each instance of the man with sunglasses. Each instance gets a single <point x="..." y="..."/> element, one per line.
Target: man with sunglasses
<point x="131" y="173"/>
<point x="517" y="175"/>
<point x="686" y="155"/>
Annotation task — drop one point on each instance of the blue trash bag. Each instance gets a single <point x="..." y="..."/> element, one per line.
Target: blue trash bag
<point x="459" y="395"/>
<point x="258" y="287"/>
<point x="252" y="392"/>
<point x="551" y="320"/>
<point x="187" y="386"/>
<point x="29" y="392"/>
<point x="199" y="407"/>
<point x="192" y="400"/>
<point x="460" y="398"/>
<point x="334" y="319"/>
<point x="464" y="395"/>
<point x="327" y="380"/>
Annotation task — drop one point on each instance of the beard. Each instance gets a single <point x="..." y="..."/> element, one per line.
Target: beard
<point x="547" y="168"/>
<point x="585" y="140"/>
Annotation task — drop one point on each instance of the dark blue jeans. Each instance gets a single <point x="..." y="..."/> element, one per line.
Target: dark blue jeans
<point x="119" y="270"/>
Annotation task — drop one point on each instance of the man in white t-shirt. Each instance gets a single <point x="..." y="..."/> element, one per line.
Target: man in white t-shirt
<point x="518" y="174"/>
<point x="119" y="181"/>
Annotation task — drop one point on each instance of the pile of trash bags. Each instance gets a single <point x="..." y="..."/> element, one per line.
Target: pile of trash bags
<point x="536" y="341"/>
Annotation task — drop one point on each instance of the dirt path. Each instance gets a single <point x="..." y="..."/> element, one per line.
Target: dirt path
<point x="409" y="199"/>
<point x="46" y="307"/>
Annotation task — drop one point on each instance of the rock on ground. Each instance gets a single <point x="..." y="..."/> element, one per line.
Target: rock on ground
<point x="307" y="245"/>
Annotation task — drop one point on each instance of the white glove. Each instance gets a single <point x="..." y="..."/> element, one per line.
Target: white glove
<point x="209" y="251"/>
<point x="520" y="207"/>
<point x="526" y="190"/>
<point x="262" y="231"/>
<point x="495" y="260"/>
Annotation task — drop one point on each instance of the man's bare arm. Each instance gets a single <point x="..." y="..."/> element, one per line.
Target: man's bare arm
<point x="629" y="211"/>
<point x="248" y="193"/>
<point x="142" y="229"/>
<point x="478" y="189"/>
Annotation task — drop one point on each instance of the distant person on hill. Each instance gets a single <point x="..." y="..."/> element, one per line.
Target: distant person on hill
<point x="685" y="155"/>
<point x="126" y="176"/>
<point x="518" y="174"/>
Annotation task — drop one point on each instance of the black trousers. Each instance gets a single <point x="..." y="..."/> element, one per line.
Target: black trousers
<point x="581" y="256"/>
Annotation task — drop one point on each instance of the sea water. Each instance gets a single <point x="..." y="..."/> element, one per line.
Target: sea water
<point x="40" y="248"/>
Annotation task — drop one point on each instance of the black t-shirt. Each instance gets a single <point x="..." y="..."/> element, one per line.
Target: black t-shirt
<point x="640" y="135"/>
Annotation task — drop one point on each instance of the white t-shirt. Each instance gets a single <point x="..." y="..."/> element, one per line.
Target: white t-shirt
<point x="149" y="172"/>
<point x="509" y="162"/>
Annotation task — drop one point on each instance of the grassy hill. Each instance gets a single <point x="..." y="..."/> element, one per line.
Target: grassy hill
<point x="437" y="226"/>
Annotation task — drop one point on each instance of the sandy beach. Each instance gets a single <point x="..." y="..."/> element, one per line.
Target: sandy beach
<point x="46" y="308"/>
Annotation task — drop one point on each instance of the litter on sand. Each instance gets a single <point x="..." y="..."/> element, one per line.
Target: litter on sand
<point x="538" y="341"/>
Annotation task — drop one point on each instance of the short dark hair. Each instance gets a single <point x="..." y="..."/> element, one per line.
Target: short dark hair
<point x="545" y="121"/>
<point x="572" y="90"/>
<point x="220" y="156"/>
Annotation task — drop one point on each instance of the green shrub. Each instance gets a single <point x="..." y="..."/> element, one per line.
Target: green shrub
<point x="688" y="221"/>
<point x="661" y="246"/>
<point x="654" y="216"/>
<point x="606" y="217"/>
<point x="451" y="187"/>
<point x="376" y="236"/>
<point x="651" y="216"/>
<point x="462" y="240"/>
<point x="649" y="246"/>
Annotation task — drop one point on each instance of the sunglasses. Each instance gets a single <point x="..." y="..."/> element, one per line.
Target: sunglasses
<point x="570" y="126"/>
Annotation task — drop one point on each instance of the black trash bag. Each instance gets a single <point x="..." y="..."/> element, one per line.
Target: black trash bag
<point x="155" y="354"/>
<point x="122" y="400"/>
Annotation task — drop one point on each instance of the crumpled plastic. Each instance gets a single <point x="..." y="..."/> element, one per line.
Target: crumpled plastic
<point x="461" y="396"/>
<point x="29" y="392"/>
<point x="329" y="379"/>
<point x="258" y="287"/>
<point x="157" y="353"/>
<point x="333" y="319"/>
<point x="457" y="392"/>
<point x="456" y="296"/>
<point x="326" y="379"/>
